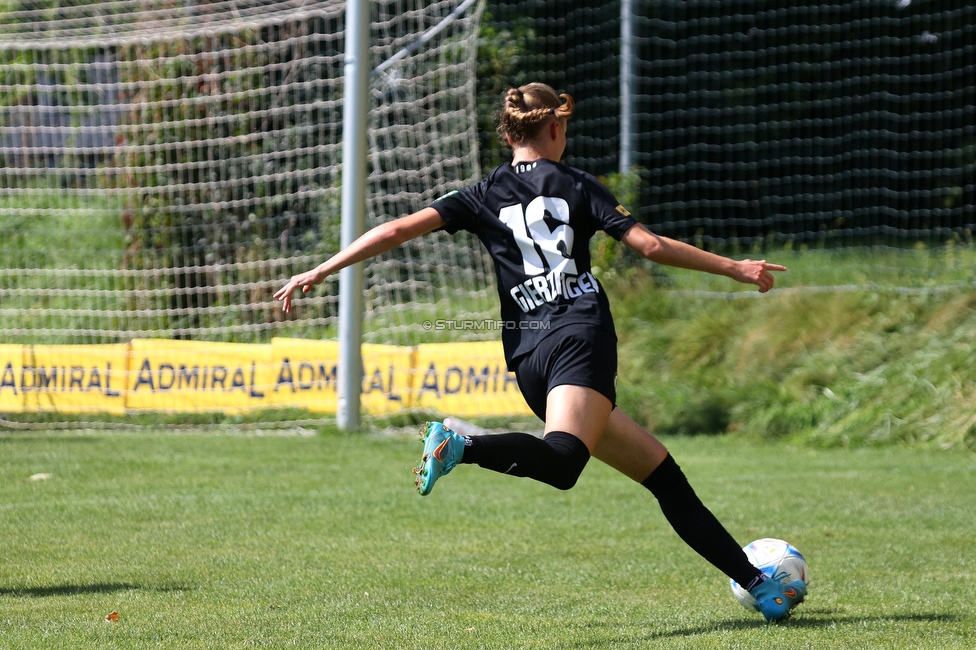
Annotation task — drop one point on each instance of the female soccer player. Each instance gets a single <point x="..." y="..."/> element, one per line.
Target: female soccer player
<point x="536" y="217"/>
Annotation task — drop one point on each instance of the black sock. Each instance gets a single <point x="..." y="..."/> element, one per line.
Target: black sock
<point x="697" y="526"/>
<point x="558" y="459"/>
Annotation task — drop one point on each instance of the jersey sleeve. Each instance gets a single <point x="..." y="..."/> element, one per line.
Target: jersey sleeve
<point x="459" y="209"/>
<point x="607" y="212"/>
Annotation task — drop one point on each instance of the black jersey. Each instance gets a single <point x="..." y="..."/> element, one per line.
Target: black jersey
<point x="536" y="220"/>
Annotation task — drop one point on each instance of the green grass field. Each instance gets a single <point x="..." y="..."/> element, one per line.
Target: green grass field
<point x="225" y="541"/>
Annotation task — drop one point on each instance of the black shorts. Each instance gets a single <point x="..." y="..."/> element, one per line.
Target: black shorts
<point x="575" y="355"/>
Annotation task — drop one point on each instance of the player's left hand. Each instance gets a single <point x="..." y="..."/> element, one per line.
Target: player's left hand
<point x="757" y="272"/>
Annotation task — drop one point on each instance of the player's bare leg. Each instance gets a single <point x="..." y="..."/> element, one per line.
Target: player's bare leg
<point x="629" y="448"/>
<point x="635" y="452"/>
<point x="582" y="412"/>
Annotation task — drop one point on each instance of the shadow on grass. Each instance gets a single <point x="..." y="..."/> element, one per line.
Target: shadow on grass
<point x="77" y="590"/>
<point x="811" y="618"/>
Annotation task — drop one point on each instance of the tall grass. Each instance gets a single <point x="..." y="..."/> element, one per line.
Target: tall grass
<point x="887" y="356"/>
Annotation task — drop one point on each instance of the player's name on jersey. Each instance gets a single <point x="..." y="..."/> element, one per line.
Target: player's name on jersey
<point x="541" y="289"/>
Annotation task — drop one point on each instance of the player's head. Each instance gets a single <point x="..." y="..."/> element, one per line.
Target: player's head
<point x="527" y="111"/>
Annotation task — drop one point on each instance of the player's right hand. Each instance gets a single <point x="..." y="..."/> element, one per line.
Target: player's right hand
<point x="305" y="280"/>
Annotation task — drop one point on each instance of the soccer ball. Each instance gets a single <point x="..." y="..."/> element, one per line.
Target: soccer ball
<point x="778" y="559"/>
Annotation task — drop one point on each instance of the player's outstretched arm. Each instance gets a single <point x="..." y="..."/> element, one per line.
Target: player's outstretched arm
<point x="671" y="252"/>
<point x="380" y="239"/>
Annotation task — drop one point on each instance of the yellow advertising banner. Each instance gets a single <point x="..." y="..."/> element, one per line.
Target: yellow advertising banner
<point x="465" y="379"/>
<point x="74" y="378"/>
<point x="196" y="376"/>
<point x="387" y="372"/>
<point x="306" y="372"/>
<point x="11" y="378"/>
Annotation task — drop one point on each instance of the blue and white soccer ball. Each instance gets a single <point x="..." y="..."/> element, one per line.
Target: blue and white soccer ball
<point x="777" y="559"/>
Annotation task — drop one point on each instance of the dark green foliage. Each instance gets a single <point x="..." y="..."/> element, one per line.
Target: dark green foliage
<point x="829" y="125"/>
<point x="707" y="413"/>
<point x="502" y="57"/>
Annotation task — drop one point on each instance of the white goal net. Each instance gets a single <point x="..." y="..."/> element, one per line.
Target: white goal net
<point x="166" y="165"/>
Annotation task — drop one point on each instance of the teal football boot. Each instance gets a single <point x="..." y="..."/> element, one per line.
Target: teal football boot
<point x="776" y="599"/>
<point x="442" y="451"/>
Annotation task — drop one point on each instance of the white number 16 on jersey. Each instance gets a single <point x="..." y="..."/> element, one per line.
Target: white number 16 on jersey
<point x="532" y="234"/>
